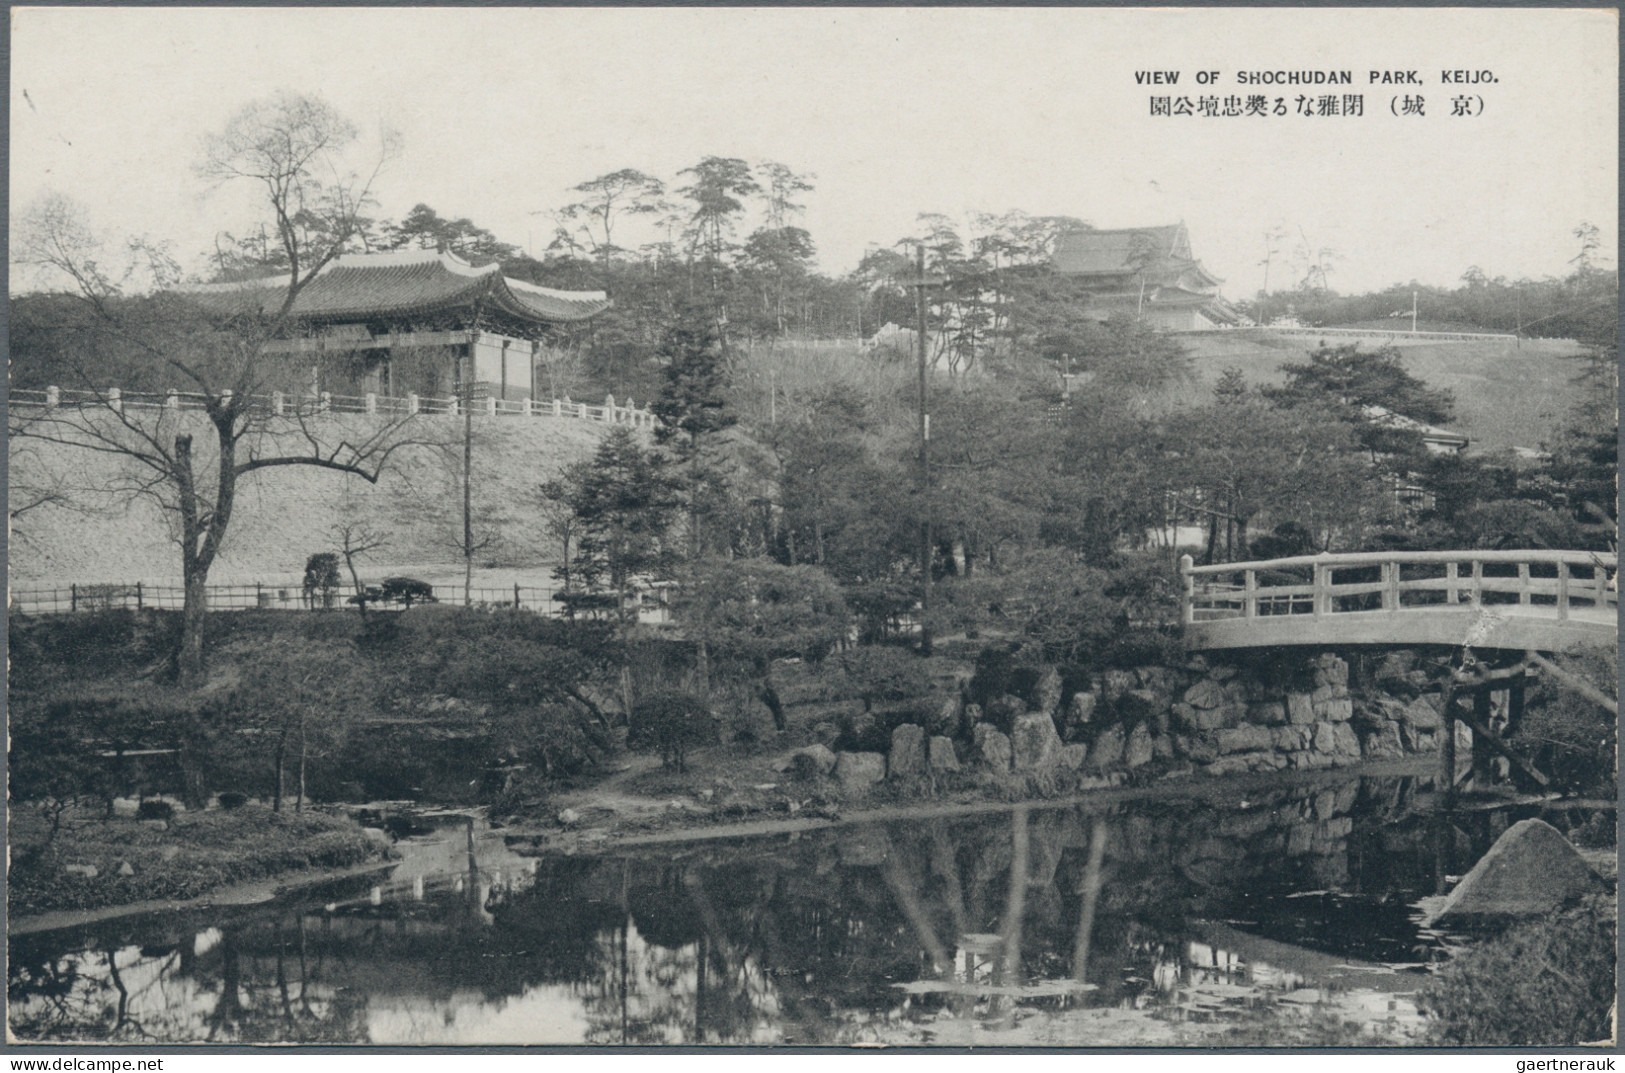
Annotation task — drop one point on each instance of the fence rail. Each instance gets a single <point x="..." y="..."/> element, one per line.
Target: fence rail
<point x="1431" y="597"/>
<point x="293" y="405"/>
<point x="1356" y="333"/>
<point x="142" y="596"/>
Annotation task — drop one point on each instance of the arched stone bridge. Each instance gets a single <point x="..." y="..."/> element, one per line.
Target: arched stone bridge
<point x="1542" y="601"/>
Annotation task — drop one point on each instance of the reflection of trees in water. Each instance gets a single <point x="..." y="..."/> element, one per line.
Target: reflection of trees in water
<point x="802" y="939"/>
<point x="223" y="994"/>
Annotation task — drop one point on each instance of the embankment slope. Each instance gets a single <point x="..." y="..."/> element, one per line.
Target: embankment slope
<point x="284" y="514"/>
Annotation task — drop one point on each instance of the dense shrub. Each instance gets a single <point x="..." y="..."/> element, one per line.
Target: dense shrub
<point x="1546" y="983"/>
<point x="155" y="810"/>
<point x="672" y="722"/>
<point x="215" y="848"/>
<point x="878" y="673"/>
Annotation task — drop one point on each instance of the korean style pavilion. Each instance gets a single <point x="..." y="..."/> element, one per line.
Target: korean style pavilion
<point x="1146" y="272"/>
<point x="415" y="322"/>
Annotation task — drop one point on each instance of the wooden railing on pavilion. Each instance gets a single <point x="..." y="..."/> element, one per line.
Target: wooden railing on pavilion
<point x="1531" y="600"/>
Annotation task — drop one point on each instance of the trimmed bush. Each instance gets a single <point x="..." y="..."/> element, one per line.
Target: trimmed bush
<point x="672" y="722"/>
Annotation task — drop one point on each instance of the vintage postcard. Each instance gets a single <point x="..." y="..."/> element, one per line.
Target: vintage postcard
<point x="813" y="527"/>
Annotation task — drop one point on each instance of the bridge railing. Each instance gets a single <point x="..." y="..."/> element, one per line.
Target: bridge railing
<point x="1549" y="583"/>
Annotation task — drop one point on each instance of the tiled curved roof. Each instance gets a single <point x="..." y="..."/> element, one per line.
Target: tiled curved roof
<point x="368" y="285"/>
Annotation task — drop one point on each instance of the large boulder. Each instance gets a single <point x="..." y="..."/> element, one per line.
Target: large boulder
<point x="1325" y="738"/>
<point x="1530" y="871"/>
<point x="1047" y="691"/>
<point x="1345" y="745"/>
<point x="1330" y="670"/>
<point x="1073" y="755"/>
<point x="1206" y="693"/>
<point x="1300" y="709"/>
<point x="1080" y="710"/>
<point x="907" y="758"/>
<point x="1383" y="743"/>
<point x="1141" y="704"/>
<point x="940" y="755"/>
<point x="814" y="759"/>
<point x="1244" y="739"/>
<point x="992" y="748"/>
<point x="1268" y="712"/>
<point x="1198" y="748"/>
<point x="943" y="717"/>
<point x="859" y="771"/>
<point x="1034" y="745"/>
<point x="1334" y="709"/>
<point x="1115" y="683"/>
<point x="1291" y="739"/>
<point x="1107" y="751"/>
<point x="1422" y="715"/>
<point x="1138" y="751"/>
<point x="1002" y="710"/>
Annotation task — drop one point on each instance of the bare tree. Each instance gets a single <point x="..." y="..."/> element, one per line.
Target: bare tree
<point x="355" y="539"/>
<point x="216" y="348"/>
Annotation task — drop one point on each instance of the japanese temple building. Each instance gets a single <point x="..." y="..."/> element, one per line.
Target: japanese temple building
<point x="414" y="322"/>
<point x="1145" y="272"/>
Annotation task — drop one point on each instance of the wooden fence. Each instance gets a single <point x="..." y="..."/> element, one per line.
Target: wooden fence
<point x="281" y="404"/>
<point x="144" y="596"/>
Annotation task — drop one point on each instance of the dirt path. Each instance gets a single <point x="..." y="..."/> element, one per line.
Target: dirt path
<point x="249" y="892"/>
<point x="605" y="831"/>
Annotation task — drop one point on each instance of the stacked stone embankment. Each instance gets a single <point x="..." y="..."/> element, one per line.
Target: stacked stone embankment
<point x="1206" y="716"/>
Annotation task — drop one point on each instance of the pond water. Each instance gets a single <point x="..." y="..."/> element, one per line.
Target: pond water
<point x="1269" y="921"/>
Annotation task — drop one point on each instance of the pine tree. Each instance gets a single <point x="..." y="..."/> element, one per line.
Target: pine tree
<point x="693" y="408"/>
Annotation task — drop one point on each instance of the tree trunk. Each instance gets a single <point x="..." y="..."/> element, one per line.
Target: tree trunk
<point x="189" y="663"/>
<point x="276" y="800"/>
<point x="304" y="751"/>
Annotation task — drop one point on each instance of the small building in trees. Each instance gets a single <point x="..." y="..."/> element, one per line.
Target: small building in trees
<point x="1145" y="272"/>
<point x="414" y="322"/>
<point x="1435" y="440"/>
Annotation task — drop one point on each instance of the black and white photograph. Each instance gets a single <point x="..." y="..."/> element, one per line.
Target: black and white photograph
<point x="812" y="528"/>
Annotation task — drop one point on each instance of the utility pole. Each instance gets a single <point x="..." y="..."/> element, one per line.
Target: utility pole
<point x="920" y="283"/>
<point x="1413" y="312"/>
<point x="468" y="365"/>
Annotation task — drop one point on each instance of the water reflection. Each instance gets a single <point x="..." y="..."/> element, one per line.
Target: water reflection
<point x="1139" y="922"/>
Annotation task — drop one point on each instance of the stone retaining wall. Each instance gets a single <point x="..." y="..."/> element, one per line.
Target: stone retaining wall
<point x="1211" y="716"/>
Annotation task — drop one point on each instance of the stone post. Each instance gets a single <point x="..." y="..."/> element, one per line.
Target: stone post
<point x="490" y="406"/>
<point x="412" y="404"/>
<point x="278" y="402"/>
<point x="558" y="408"/>
<point x="609" y="409"/>
<point x="53" y="396"/>
<point x="371" y="402"/>
<point x="115" y="400"/>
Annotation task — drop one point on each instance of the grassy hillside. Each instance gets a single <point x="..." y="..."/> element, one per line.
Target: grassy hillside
<point x="283" y="515"/>
<point x="1507" y="394"/>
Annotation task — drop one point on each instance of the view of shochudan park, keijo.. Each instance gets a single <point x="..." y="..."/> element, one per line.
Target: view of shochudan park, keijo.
<point x="494" y="570"/>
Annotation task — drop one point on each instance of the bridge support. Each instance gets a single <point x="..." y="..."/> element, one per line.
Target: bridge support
<point x="1482" y="685"/>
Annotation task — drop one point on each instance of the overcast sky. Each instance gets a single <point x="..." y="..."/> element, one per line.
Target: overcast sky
<point x="896" y="111"/>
